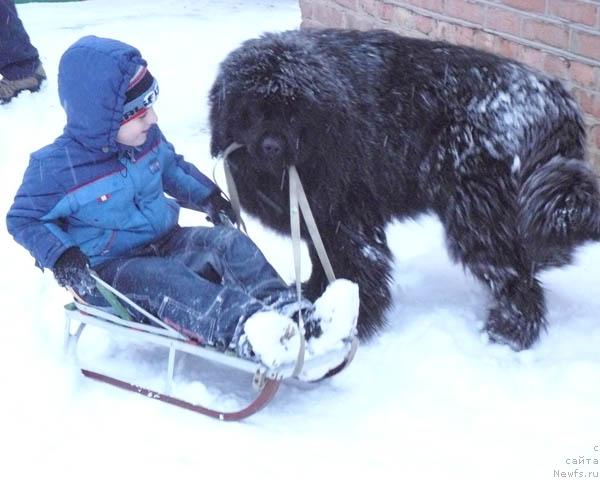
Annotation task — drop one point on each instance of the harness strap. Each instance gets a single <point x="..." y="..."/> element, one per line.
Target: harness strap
<point x="231" y="188"/>
<point x="295" y="231"/>
<point x="297" y="199"/>
<point x="299" y="204"/>
<point x="235" y="203"/>
<point x="311" y="225"/>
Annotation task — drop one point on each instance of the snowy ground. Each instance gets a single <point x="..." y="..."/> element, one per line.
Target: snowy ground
<point x="427" y="399"/>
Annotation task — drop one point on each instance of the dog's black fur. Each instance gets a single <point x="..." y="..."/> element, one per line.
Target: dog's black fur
<point x="382" y="127"/>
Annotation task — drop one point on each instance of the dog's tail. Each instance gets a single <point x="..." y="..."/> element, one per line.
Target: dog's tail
<point x="559" y="206"/>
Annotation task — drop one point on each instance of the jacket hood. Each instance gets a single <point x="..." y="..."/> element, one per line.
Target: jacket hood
<point x="93" y="76"/>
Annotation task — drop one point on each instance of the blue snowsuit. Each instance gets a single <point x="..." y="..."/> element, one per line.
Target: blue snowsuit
<point x="108" y="199"/>
<point x="18" y="57"/>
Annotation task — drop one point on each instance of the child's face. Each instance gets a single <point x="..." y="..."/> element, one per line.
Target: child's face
<point x="134" y="132"/>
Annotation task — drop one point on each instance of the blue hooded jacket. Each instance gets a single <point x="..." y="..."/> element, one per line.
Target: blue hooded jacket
<point x="87" y="190"/>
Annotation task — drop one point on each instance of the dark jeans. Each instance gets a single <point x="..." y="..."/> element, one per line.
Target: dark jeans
<point x="18" y="57"/>
<point x="204" y="281"/>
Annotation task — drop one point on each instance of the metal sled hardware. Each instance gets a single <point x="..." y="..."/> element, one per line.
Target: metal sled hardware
<point x="265" y="381"/>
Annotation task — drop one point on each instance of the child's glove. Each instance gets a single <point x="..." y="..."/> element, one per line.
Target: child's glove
<point x="219" y="209"/>
<point x="71" y="270"/>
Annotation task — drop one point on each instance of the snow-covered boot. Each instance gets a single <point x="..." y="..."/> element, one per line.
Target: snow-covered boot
<point x="333" y="317"/>
<point x="273" y="337"/>
<point x="270" y="337"/>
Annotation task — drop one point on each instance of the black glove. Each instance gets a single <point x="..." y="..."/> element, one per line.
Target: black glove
<point x="71" y="271"/>
<point x="219" y="209"/>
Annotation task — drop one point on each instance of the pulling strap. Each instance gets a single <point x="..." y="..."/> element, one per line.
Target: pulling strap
<point x="231" y="188"/>
<point x="298" y="198"/>
<point x="298" y="203"/>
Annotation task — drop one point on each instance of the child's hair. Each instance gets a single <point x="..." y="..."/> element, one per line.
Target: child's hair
<point x="141" y="94"/>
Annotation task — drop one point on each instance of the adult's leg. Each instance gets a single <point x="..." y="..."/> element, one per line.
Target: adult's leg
<point x="18" y="57"/>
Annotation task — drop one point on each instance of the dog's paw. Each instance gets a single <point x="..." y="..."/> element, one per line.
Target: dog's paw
<point x="510" y="327"/>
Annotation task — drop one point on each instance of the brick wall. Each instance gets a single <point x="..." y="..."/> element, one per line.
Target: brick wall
<point x="561" y="37"/>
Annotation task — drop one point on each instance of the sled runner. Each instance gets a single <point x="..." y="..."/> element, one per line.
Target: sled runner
<point x="118" y="320"/>
<point x="264" y="380"/>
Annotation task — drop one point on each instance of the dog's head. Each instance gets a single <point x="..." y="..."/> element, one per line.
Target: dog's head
<point x="280" y="98"/>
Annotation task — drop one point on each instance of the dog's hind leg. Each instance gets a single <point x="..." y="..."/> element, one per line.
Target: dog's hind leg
<point x="479" y="215"/>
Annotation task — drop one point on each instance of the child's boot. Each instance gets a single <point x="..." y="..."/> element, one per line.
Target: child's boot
<point x="270" y="337"/>
<point x="333" y="318"/>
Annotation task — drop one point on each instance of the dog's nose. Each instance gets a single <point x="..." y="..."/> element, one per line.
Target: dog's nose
<point x="272" y="146"/>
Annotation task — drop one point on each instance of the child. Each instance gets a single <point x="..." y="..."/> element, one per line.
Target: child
<point x="96" y="198"/>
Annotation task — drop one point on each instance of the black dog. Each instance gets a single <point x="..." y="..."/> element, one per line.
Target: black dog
<point x="381" y="127"/>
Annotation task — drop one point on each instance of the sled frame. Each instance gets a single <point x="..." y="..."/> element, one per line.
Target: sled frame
<point x="265" y="381"/>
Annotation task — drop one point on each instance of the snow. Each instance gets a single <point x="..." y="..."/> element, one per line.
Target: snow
<point x="274" y="338"/>
<point x="429" y="398"/>
<point x="516" y="165"/>
<point x="337" y="311"/>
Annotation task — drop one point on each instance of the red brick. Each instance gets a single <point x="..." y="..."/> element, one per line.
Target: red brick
<point x="431" y="5"/>
<point x="503" y="20"/>
<point x="588" y="100"/>
<point x="351" y="4"/>
<point x="310" y="23"/>
<point x="465" y="36"/>
<point x="445" y="31"/>
<point x="306" y="7"/>
<point x="549" y="33"/>
<point x="532" y="57"/>
<point x="584" y="75"/>
<point x="486" y="41"/>
<point x="509" y="49"/>
<point x="327" y="15"/>
<point x="369" y="6"/>
<point x="587" y="44"/>
<point x="557" y="66"/>
<point x="527" y="5"/>
<point x="357" y="22"/>
<point x="594" y="156"/>
<point x="385" y="11"/>
<point x="376" y="8"/>
<point x="595" y="135"/>
<point x="470" y="10"/>
<point x="574" y="11"/>
<point x="424" y="24"/>
<point x="407" y="20"/>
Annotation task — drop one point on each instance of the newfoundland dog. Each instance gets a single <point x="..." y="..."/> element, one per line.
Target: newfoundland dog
<point x="385" y="127"/>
